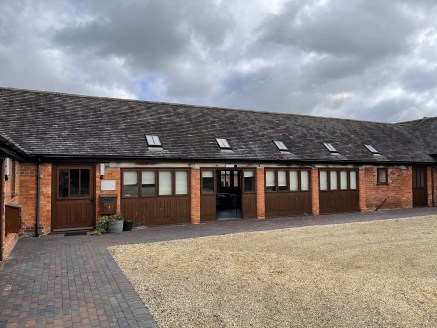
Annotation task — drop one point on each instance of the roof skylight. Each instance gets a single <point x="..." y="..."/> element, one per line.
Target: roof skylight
<point x="281" y="146"/>
<point x="153" y="141"/>
<point x="371" y="149"/>
<point x="330" y="147"/>
<point x="223" y="143"/>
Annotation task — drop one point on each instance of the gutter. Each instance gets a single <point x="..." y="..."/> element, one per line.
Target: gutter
<point x="38" y="193"/>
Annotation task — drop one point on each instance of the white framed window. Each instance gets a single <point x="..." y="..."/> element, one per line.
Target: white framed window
<point x="181" y="181"/>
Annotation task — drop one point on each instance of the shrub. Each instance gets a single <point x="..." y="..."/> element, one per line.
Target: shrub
<point x="102" y="224"/>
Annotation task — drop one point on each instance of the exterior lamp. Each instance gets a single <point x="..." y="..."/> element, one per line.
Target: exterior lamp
<point x="7" y="168"/>
<point x="102" y="170"/>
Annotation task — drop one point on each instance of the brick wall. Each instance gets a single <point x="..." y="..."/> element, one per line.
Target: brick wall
<point x="195" y="196"/>
<point x="10" y="239"/>
<point x="397" y="194"/>
<point x="28" y="186"/>
<point x="315" y="191"/>
<point x="25" y="195"/>
<point x="429" y="184"/>
<point x="110" y="174"/>
<point x="260" y="194"/>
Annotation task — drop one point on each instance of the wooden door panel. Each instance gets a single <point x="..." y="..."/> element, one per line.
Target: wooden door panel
<point x="420" y="192"/>
<point x="208" y="207"/>
<point x="73" y="209"/>
<point x="339" y="201"/>
<point x="284" y="204"/>
<point x="148" y="211"/>
<point x="249" y="206"/>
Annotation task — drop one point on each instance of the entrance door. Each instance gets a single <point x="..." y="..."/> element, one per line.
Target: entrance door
<point x="73" y="199"/>
<point x="228" y="194"/>
<point x="420" y="194"/>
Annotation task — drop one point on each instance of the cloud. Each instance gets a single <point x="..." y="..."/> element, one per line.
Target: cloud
<point x="365" y="59"/>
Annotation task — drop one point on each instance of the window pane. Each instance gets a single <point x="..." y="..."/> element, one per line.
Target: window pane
<point x="84" y="183"/>
<point x="181" y="182"/>
<point x="282" y="180"/>
<point x="333" y="177"/>
<point x="294" y="183"/>
<point x="130" y="183"/>
<point x="270" y="180"/>
<point x="323" y="180"/>
<point x="207" y="181"/>
<point x="343" y="180"/>
<point x="353" y="180"/>
<point x="148" y="183"/>
<point x="63" y="183"/>
<point x="165" y="187"/>
<point x="225" y="178"/>
<point x="74" y="183"/>
<point x="304" y="180"/>
<point x="382" y="176"/>
<point x="249" y="181"/>
<point x="236" y="182"/>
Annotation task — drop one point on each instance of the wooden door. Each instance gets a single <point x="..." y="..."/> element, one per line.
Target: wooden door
<point x="248" y="197"/>
<point x="208" y="195"/>
<point x="338" y="191"/>
<point x="73" y="197"/>
<point x="420" y="194"/>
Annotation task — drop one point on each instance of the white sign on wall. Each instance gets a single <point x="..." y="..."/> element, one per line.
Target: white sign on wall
<point x="108" y="185"/>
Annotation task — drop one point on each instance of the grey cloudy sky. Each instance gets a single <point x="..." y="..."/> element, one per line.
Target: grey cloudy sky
<point x="363" y="59"/>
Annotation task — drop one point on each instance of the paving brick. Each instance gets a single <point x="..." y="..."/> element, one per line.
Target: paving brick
<point x="60" y="281"/>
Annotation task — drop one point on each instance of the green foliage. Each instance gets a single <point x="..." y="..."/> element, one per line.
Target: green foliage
<point x="102" y="224"/>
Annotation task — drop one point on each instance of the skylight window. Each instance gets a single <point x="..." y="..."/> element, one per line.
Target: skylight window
<point x="281" y="146"/>
<point x="371" y="149"/>
<point x="153" y="141"/>
<point x="330" y="147"/>
<point x="223" y="143"/>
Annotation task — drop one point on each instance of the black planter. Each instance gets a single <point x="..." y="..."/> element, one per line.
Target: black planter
<point x="127" y="225"/>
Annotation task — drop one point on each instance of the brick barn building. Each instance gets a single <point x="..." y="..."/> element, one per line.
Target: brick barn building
<point x="68" y="159"/>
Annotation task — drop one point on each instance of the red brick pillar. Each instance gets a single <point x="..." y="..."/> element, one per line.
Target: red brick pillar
<point x="315" y="204"/>
<point x="429" y="178"/>
<point x="260" y="194"/>
<point x="195" y="196"/>
<point x="362" y="189"/>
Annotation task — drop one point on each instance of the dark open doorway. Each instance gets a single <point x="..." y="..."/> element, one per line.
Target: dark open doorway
<point x="228" y="204"/>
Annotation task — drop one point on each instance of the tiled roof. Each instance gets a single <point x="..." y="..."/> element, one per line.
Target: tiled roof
<point x="424" y="131"/>
<point x="56" y="124"/>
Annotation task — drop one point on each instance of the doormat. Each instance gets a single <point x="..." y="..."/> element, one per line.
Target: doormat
<point x="77" y="233"/>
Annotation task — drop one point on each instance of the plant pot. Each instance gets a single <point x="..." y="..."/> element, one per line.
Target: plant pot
<point x="127" y="225"/>
<point x="115" y="226"/>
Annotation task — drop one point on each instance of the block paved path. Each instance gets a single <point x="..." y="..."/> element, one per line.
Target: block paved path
<point x="73" y="281"/>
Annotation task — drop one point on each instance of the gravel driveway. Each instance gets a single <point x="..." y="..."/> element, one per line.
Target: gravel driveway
<point x="374" y="274"/>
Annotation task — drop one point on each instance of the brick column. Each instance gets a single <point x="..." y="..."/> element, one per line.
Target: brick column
<point x="195" y="196"/>
<point x="110" y="174"/>
<point x="260" y="194"/>
<point x="362" y="189"/>
<point x="315" y="204"/>
<point x="429" y="178"/>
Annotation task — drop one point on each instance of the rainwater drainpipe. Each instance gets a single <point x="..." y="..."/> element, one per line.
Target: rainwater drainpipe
<point x="38" y="187"/>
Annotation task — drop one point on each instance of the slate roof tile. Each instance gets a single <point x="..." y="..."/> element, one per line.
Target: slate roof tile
<point x="56" y="124"/>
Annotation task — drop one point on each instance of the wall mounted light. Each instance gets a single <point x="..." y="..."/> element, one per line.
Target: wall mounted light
<point x="7" y="168"/>
<point x="102" y="170"/>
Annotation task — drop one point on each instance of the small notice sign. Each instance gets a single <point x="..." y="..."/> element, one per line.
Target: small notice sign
<point x="108" y="185"/>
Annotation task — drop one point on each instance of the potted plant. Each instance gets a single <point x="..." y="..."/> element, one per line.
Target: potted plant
<point x="101" y="225"/>
<point x="127" y="225"/>
<point x="115" y="225"/>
